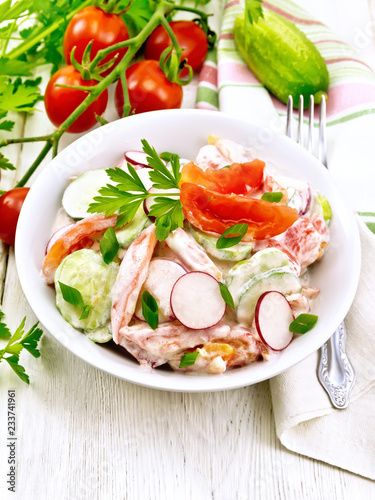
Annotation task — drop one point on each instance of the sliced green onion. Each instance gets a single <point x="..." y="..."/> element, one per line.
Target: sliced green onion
<point x="303" y="323"/>
<point x="232" y="236"/>
<point x="85" y="312"/>
<point x="109" y="245"/>
<point x="71" y="295"/>
<point x="188" y="359"/>
<point x="150" y="310"/>
<point x="225" y="293"/>
<point x="273" y="197"/>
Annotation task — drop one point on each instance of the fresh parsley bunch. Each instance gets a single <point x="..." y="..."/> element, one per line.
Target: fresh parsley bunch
<point x="129" y="193"/>
<point x="17" y="342"/>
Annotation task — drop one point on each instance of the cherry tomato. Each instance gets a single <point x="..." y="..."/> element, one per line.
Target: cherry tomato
<point x="239" y="178"/>
<point x="210" y="211"/>
<point x="10" y="206"/>
<point x="149" y="89"/>
<point x="60" y="102"/>
<point x="92" y="23"/>
<point x="191" y="38"/>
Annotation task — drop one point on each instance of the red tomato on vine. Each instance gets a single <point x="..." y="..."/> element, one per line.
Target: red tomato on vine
<point x="10" y="206"/>
<point x="191" y="38"/>
<point x="60" y="102"/>
<point x="149" y="89"/>
<point x="92" y="23"/>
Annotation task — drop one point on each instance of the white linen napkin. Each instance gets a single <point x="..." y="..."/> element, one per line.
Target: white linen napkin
<point x="305" y="420"/>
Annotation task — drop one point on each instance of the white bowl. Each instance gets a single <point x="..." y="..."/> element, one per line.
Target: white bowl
<point x="184" y="132"/>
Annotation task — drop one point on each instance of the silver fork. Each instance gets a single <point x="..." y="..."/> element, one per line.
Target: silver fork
<point x="335" y="372"/>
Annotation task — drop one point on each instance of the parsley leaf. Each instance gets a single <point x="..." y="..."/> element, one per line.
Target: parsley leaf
<point x="19" y="341"/>
<point x="138" y="14"/>
<point x="126" y="181"/>
<point x="160" y="176"/>
<point x="20" y="96"/>
<point x="253" y="11"/>
<point x="129" y="193"/>
<point x="4" y="330"/>
<point x="5" y="163"/>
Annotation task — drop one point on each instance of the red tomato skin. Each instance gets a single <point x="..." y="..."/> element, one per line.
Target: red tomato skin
<point x="60" y="102"/>
<point x="10" y="206"/>
<point x="92" y="23"/>
<point x="149" y="89"/>
<point x="191" y="38"/>
<point x="214" y="212"/>
<point x="239" y="178"/>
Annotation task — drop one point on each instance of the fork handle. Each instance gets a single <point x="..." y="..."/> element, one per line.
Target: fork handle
<point x="336" y="373"/>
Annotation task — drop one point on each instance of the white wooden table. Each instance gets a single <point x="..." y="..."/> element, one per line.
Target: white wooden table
<point x="82" y="434"/>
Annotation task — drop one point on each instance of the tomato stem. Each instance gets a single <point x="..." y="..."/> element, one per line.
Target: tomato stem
<point x="37" y="162"/>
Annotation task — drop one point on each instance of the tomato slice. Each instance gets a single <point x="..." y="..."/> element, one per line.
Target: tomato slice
<point x="71" y="240"/>
<point x="239" y="178"/>
<point x="214" y="212"/>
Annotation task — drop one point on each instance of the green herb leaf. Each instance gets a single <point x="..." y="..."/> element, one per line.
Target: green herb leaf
<point x="227" y="296"/>
<point x="31" y="339"/>
<point x="150" y="309"/>
<point x="188" y="359"/>
<point x="19" y="341"/>
<point x="253" y="10"/>
<point x="109" y="246"/>
<point x="5" y="163"/>
<point x="20" y="96"/>
<point x="13" y="362"/>
<point x="166" y="156"/>
<point x="126" y="181"/>
<point x="7" y="125"/>
<point x="160" y="176"/>
<point x="85" y="312"/>
<point x="232" y="236"/>
<point x="71" y="295"/>
<point x="273" y="197"/>
<point x="4" y="330"/>
<point x="303" y="323"/>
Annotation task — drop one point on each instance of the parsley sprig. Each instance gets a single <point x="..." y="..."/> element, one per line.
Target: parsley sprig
<point x="17" y="342"/>
<point x="129" y="192"/>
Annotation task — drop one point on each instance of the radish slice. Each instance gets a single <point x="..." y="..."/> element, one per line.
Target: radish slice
<point x="162" y="275"/>
<point x="56" y="236"/>
<point x="196" y="300"/>
<point x="138" y="158"/>
<point x="273" y="316"/>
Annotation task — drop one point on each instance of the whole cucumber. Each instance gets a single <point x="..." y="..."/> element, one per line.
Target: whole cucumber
<point x="283" y="59"/>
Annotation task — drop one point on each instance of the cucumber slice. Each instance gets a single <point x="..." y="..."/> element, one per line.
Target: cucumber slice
<point x="262" y="261"/>
<point x="125" y="235"/>
<point x="86" y="271"/>
<point x="81" y="192"/>
<point x="278" y="280"/>
<point x="326" y="208"/>
<point x="100" y="335"/>
<point x="236" y="253"/>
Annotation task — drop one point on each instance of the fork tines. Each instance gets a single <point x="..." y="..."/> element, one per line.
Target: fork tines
<point x="322" y="155"/>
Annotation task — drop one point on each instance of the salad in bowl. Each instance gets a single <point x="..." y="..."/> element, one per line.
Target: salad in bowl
<point x="188" y="272"/>
<point x="201" y="265"/>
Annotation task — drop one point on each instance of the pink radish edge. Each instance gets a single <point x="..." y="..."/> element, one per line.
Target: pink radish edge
<point x="56" y="235"/>
<point x="273" y="316"/>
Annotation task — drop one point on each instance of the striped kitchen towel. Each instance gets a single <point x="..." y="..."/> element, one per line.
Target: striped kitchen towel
<point x="350" y="107"/>
<point x="305" y="421"/>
